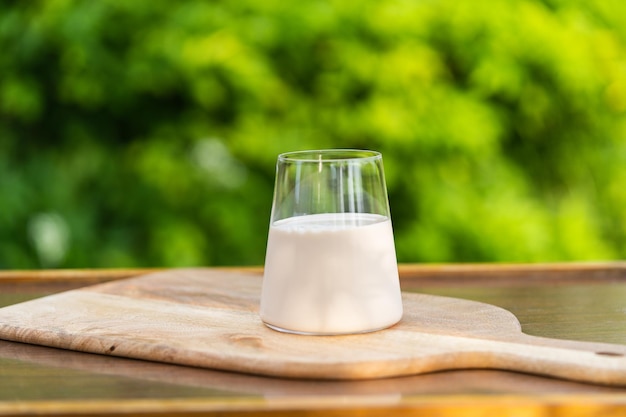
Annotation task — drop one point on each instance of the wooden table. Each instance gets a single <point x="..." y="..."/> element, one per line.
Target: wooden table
<point x="570" y="301"/>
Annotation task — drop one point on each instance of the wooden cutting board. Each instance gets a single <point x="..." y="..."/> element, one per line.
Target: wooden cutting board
<point x="208" y="318"/>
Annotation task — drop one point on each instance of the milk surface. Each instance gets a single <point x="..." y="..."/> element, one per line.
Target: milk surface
<point x="331" y="274"/>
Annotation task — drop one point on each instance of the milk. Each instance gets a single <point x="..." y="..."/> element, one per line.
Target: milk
<point x="331" y="274"/>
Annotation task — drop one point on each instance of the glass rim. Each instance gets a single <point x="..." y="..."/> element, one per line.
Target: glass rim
<point x="329" y="155"/>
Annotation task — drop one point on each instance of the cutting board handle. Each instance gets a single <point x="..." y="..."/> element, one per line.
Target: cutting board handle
<point x="582" y="361"/>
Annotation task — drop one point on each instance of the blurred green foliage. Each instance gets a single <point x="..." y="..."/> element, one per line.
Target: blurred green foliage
<point x="145" y="133"/>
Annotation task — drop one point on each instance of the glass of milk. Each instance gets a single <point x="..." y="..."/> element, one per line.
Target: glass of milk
<point x="330" y="266"/>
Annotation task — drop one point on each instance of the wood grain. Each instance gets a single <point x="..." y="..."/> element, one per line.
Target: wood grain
<point x="208" y="318"/>
<point x="557" y="301"/>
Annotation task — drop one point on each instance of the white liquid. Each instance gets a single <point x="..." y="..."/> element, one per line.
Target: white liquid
<point x="331" y="274"/>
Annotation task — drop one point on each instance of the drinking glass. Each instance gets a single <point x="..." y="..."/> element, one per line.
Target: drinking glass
<point x="330" y="266"/>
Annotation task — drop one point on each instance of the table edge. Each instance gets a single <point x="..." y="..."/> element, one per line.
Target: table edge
<point x="443" y="273"/>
